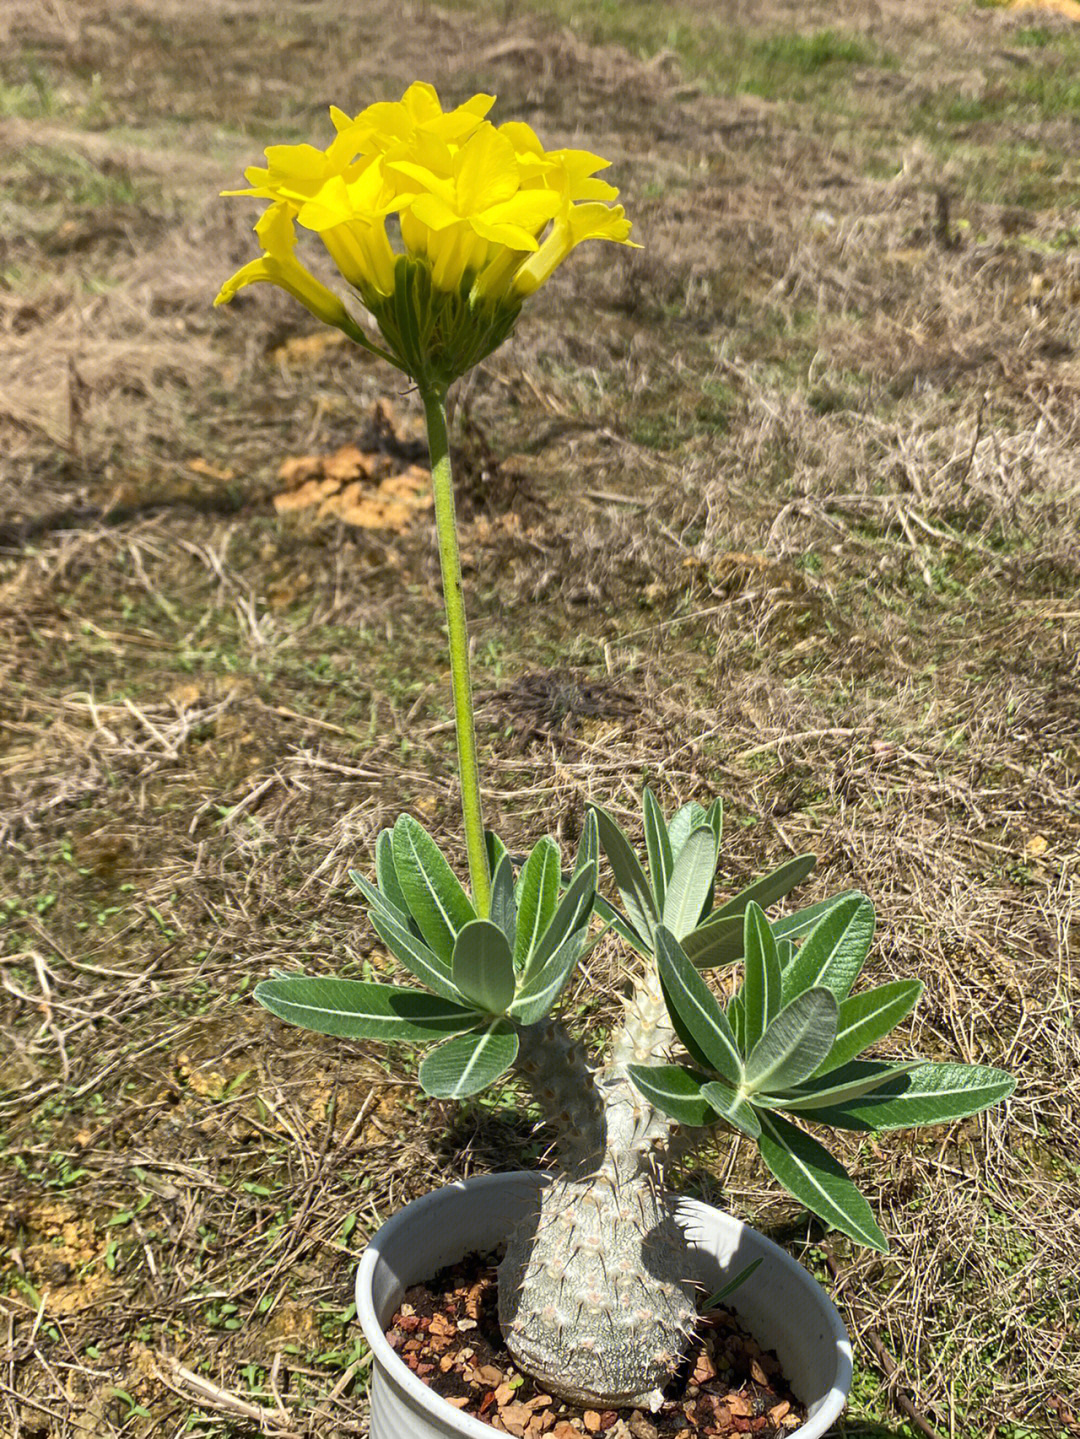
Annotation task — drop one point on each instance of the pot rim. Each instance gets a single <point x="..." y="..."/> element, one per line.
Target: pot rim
<point x="416" y="1212"/>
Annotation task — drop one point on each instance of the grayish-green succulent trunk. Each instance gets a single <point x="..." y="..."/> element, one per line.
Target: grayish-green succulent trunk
<point x="594" y="1299"/>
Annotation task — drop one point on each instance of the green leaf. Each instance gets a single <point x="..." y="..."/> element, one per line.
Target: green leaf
<point x="657" y="845"/>
<point x="469" y="1063"/>
<point x="496" y="850"/>
<point x="356" y="1009"/>
<point x="794" y="1044"/>
<point x="675" y="1091"/>
<point x="503" y="903"/>
<point x="572" y="913"/>
<point x="736" y="1013"/>
<point x="543" y="985"/>
<point x="622" y="926"/>
<point x="629" y="876"/>
<point x="698" y="1019"/>
<point x="761" y="988"/>
<point x="927" y="1094"/>
<point x="734" y="1283"/>
<point x="690" y="883"/>
<point x="732" y="1107"/>
<point x="867" y="1017"/>
<point x="537" y="896"/>
<point x="588" y="850"/>
<point x="719" y="939"/>
<point x="816" y="1179"/>
<point x="858" y="1076"/>
<point x="378" y="902"/>
<point x="428" y="967"/>
<point x="770" y="887"/>
<point x="483" y="967"/>
<point x="717" y="942"/>
<point x="714" y="818"/>
<point x="688" y="818"/>
<point x="834" y="951"/>
<point x="435" y="898"/>
<point x="386" y="874"/>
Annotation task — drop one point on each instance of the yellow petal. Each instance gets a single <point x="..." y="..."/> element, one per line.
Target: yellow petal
<point x="485" y="171"/>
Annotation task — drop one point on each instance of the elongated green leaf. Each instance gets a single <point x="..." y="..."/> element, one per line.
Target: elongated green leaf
<point x="469" y="1063"/>
<point x="794" y="1044"/>
<point x="435" y="898"/>
<point x="732" y="1107"/>
<point x="690" y="883"/>
<point x="688" y="818"/>
<point x="629" y="876"/>
<point x="356" y="1009"/>
<point x="817" y="1180"/>
<point x="428" y="967"/>
<point x="761" y="990"/>
<point x="483" y="967"/>
<point x="657" y="845"/>
<point x="588" y="850"/>
<point x="735" y="1282"/>
<point x="496" y="850"/>
<point x="867" y="1017"/>
<point x="694" y="1010"/>
<point x="675" y="1091"/>
<point x="537" y="896"/>
<point x="717" y="942"/>
<point x="572" y="913"/>
<point x="770" y="887"/>
<point x="542" y="985"/>
<point x="834" y="951"/>
<point x="719" y="939"/>
<point x="927" y="1094"/>
<point x="736" y="1013"/>
<point x="386" y="874"/>
<point x="377" y="901"/>
<point x="503" y="903"/>
<point x="858" y="1076"/>
<point x="714" y="818"/>
<point x="622" y="926"/>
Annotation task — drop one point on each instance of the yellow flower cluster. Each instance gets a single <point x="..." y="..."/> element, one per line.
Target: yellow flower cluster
<point x="484" y="214"/>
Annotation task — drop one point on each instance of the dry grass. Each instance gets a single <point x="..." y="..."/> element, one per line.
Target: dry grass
<point x="786" y="507"/>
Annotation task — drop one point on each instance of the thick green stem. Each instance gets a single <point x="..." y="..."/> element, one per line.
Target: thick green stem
<point x="450" y="560"/>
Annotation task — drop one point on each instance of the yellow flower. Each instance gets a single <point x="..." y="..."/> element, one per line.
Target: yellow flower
<point x="485" y="216"/>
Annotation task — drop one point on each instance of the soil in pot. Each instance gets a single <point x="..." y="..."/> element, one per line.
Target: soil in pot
<point x="447" y="1332"/>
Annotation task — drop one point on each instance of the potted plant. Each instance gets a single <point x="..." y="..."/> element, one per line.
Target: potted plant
<point x="597" y="1285"/>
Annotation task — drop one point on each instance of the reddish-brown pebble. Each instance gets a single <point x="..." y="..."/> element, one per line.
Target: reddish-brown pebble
<point x="591" y="1420"/>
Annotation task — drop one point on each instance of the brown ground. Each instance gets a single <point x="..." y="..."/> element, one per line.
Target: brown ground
<point x="785" y="505"/>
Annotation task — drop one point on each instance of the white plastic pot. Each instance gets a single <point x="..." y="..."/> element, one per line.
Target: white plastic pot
<point x="780" y="1304"/>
